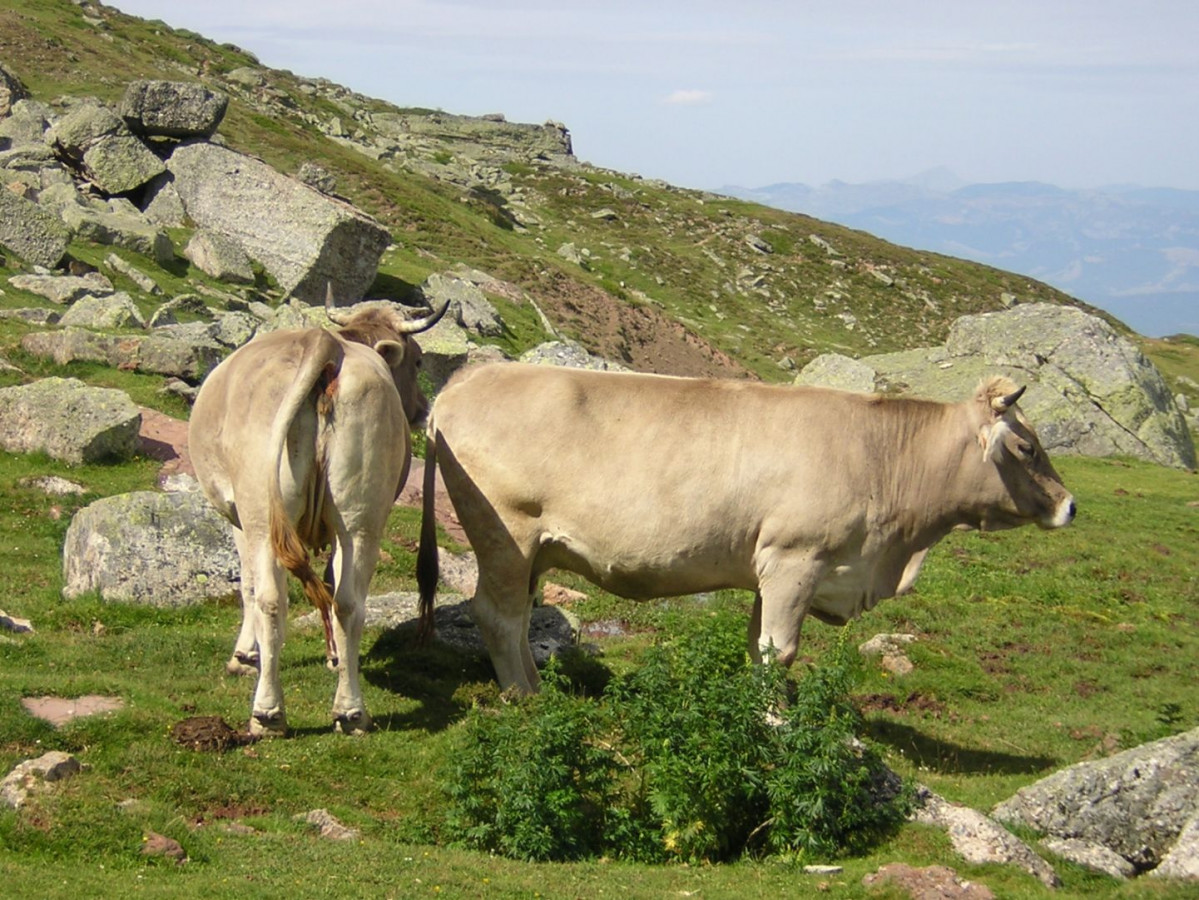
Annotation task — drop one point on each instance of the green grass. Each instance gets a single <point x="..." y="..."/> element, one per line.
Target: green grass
<point x="1035" y="650"/>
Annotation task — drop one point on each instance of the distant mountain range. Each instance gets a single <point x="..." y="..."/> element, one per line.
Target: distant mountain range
<point x="1132" y="251"/>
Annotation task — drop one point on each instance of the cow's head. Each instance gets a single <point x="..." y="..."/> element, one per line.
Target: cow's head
<point x="389" y="331"/>
<point x="1032" y="491"/>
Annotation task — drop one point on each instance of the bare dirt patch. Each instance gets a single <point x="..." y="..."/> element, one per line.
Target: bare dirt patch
<point x="639" y="336"/>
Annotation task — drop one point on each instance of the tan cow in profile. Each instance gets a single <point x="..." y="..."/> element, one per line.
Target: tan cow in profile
<point x="822" y="502"/>
<point x="301" y="440"/>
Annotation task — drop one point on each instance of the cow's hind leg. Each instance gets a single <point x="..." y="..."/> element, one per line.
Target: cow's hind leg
<point x="501" y="609"/>
<point x="244" y="660"/>
<point x="355" y="563"/>
<point x="267" y="718"/>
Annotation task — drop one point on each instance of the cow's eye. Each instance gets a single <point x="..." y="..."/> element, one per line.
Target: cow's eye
<point x="1027" y="450"/>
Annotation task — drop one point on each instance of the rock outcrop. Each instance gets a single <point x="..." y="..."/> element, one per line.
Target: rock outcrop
<point x="305" y="239"/>
<point x="1142" y="805"/>
<point x="1091" y="391"/>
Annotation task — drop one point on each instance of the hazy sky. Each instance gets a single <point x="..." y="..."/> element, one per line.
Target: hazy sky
<point x="705" y="93"/>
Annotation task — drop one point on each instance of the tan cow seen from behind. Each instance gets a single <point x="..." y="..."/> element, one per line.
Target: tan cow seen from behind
<point x="301" y="440"/>
<point x="822" y="502"/>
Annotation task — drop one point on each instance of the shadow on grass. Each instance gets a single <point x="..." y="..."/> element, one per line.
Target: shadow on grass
<point x="948" y="758"/>
<point x="440" y="679"/>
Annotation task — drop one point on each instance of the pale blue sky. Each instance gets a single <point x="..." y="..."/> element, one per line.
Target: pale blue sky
<point x="1079" y="93"/>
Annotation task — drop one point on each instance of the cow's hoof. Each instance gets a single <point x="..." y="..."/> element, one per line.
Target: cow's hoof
<point x="242" y="664"/>
<point x="355" y="722"/>
<point x="331" y="663"/>
<point x="268" y="724"/>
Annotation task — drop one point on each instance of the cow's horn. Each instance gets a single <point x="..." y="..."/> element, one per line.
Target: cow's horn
<point x="330" y="310"/>
<point x="1003" y="404"/>
<point x="413" y="326"/>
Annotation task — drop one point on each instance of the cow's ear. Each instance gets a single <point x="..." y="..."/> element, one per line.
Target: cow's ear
<point x="991" y="437"/>
<point x="392" y="353"/>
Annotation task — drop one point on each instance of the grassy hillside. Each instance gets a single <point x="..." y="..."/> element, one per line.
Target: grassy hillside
<point x="663" y="268"/>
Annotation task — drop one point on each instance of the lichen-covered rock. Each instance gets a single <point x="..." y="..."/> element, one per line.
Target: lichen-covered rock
<point x="306" y="240"/>
<point x="1091" y="391"/>
<point x="159" y="354"/>
<point x="1136" y="803"/>
<point x="63" y="289"/>
<point x="173" y="108"/>
<point x="69" y="421"/>
<point x="96" y="140"/>
<point x="469" y="307"/>
<point x="30" y="232"/>
<point x="837" y="371"/>
<point x="162" y="550"/>
<point x="113" y="311"/>
<point x="980" y="840"/>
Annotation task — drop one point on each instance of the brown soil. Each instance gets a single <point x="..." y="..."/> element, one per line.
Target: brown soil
<point x="638" y="336"/>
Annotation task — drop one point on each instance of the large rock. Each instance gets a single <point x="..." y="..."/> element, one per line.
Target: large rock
<point x="119" y="226"/>
<point x="69" y="421"/>
<point x="113" y="311"/>
<point x="469" y="307"/>
<point x="173" y="108"/>
<point x="1137" y="803"/>
<point x="95" y="140"/>
<point x="162" y="550"/>
<point x="571" y="354"/>
<point x="306" y="240"/>
<point x="158" y="354"/>
<point x="1091" y="391"/>
<point x="26" y="123"/>
<point x="63" y="289"/>
<point x="30" y="232"/>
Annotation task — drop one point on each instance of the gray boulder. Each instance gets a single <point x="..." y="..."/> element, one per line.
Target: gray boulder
<point x="105" y="313"/>
<point x="219" y="256"/>
<point x="30" y="232"/>
<point x="306" y="240"/>
<point x="63" y="289"/>
<point x="571" y="354"/>
<point x="158" y="354"/>
<point x="469" y="306"/>
<point x="119" y="226"/>
<point x="143" y="281"/>
<point x="11" y="91"/>
<point x="176" y="109"/>
<point x="837" y="371"/>
<point x="1138" y="803"/>
<point x="95" y="140"/>
<point x="1091" y="391"/>
<point x="980" y="840"/>
<point x="162" y="550"/>
<point x="69" y="421"/>
<point x="35" y="775"/>
<point x="26" y="124"/>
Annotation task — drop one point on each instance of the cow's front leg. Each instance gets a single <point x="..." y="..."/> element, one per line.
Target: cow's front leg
<point x="267" y="718"/>
<point x="787" y="583"/>
<point x="354" y="575"/>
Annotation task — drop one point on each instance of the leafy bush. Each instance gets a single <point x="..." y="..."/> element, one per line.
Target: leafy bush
<point x="697" y="755"/>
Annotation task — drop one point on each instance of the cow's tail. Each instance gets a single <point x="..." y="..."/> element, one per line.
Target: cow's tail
<point x="427" y="562"/>
<point x="315" y="383"/>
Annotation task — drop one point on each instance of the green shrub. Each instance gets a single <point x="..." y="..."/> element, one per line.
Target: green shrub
<point x="697" y="755"/>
